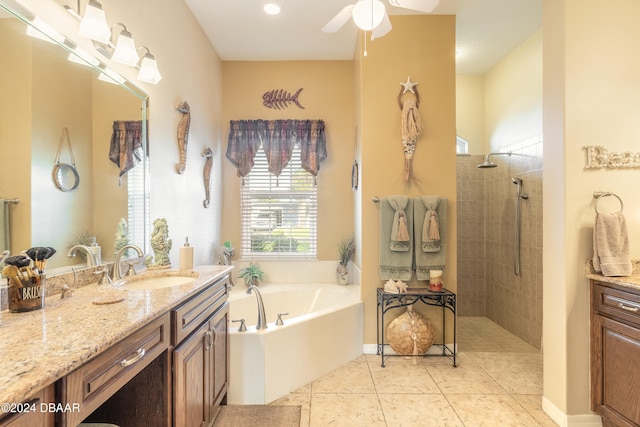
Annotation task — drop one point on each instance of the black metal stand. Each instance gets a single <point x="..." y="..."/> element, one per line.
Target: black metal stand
<point x="444" y="298"/>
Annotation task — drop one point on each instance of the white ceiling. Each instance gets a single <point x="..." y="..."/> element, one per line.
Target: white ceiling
<point x="486" y="30"/>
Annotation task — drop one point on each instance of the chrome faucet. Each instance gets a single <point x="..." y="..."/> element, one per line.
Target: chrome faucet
<point x="262" y="317"/>
<point x="117" y="274"/>
<point x="91" y="258"/>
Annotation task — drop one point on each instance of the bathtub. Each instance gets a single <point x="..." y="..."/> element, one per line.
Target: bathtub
<point x="322" y="331"/>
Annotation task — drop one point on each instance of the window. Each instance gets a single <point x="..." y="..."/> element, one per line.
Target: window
<point x="279" y="213"/>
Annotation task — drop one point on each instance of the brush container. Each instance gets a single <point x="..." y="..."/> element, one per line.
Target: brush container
<point x="26" y="293"/>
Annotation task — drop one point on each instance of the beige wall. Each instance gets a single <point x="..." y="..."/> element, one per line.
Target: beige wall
<point x="470" y="116"/>
<point x="328" y="95"/>
<point x="15" y="130"/>
<point x="590" y="86"/>
<point x="513" y="96"/>
<point x="191" y="71"/>
<point x="421" y="47"/>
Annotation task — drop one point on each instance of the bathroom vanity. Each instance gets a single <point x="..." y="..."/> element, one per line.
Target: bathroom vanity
<point x="159" y="357"/>
<point x="615" y="349"/>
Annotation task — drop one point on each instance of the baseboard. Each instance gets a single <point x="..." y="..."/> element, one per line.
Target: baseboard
<point x="564" y="420"/>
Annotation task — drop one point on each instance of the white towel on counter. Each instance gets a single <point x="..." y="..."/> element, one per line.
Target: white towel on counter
<point x="611" y="254"/>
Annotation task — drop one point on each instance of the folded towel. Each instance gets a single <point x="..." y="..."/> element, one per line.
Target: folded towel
<point x="611" y="254"/>
<point x="399" y="232"/>
<point x="431" y="253"/>
<point x="396" y="263"/>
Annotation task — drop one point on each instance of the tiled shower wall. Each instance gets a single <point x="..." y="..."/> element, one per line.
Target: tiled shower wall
<point x="487" y="285"/>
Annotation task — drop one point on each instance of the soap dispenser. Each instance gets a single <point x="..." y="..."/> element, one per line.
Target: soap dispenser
<point x="186" y="256"/>
<point x="96" y="250"/>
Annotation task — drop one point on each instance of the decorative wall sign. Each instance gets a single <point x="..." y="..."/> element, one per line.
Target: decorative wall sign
<point x="183" y="135"/>
<point x="599" y="157"/>
<point x="280" y="98"/>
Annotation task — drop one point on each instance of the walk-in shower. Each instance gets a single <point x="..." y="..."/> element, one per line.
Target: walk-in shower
<point x="518" y="225"/>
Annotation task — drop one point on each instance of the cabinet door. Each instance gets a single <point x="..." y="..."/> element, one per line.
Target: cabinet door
<point x="191" y="374"/>
<point x="616" y="352"/>
<point x="219" y="356"/>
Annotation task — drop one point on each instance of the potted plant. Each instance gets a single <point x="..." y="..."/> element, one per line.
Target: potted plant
<point x="252" y="274"/>
<point x="346" y="250"/>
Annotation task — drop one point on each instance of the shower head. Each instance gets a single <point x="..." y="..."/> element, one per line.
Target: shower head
<point x="488" y="163"/>
<point x="516" y="180"/>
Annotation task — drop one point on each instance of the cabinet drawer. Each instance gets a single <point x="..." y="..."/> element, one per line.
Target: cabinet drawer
<point x="191" y="314"/>
<point x="96" y="381"/>
<point x="617" y="304"/>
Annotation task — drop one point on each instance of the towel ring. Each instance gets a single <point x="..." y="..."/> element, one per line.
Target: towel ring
<point x="599" y="196"/>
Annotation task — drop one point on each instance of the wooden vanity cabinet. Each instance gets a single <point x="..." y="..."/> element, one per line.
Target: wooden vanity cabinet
<point x="29" y="413"/>
<point x="615" y="354"/>
<point x="94" y="383"/>
<point x="201" y="356"/>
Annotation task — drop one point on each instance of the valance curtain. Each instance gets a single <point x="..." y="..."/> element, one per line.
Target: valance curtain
<point x="278" y="137"/>
<point x="126" y="144"/>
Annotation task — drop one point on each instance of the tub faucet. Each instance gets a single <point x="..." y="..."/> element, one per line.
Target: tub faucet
<point x="117" y="275"/>
<point x="91" y="258"/>
<point x="262" y="317"/>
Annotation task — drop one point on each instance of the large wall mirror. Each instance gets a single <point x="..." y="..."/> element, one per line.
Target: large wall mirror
<point x="47" y="93"/>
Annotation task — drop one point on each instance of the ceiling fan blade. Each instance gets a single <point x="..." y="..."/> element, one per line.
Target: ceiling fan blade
<point x="339" y="20"/>
<point x="426" y="6"/>
<point x="382" y="29"/>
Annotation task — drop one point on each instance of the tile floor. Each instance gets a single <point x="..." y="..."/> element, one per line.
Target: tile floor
<point x="498" y="382"/>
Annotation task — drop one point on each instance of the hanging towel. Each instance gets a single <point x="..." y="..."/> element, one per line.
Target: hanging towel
<point x="396" y="264"/>
<point x="5" y="236"/>
<point x="430" y="225"/>
<point x="400" y="240"/>
<point x="611" y="253"/>
<point x="431" y="252"/>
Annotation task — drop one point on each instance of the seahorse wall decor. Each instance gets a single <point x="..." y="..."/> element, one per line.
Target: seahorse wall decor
<point x="206" y="174"/>
<point x="183" y="135"/>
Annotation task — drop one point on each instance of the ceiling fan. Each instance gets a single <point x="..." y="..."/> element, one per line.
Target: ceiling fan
<point x="371" y="15"/>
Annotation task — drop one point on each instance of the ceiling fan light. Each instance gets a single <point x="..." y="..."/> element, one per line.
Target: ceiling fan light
<point x="94" y="23"/>
<point x="125" y="51"/>
<point x="368" y="14"/>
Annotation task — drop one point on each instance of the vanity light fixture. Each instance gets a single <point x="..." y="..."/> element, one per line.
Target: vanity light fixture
<point x="44" y="31"/>
<point x="80" y="56"/>
<point x="149" y="72"/>
<point x="94" y="23"/>
<point x="272" y="9"/>
<point x="125" y="50"/>
<point x="110" y="76"/>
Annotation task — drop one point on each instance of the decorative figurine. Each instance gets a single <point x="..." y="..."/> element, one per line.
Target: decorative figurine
<point x="121" y="235"/>
<point x="161" y="244"/>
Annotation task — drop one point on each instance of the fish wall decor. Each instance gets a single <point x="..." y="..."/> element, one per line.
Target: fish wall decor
<point x="280" y="98"/>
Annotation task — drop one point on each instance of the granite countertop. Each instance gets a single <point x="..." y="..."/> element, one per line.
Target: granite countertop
<point x="631" y="282"/>
<point x="39" y="347"/>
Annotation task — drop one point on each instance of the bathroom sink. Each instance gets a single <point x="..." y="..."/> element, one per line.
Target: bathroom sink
<point x="156" y="280"/>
